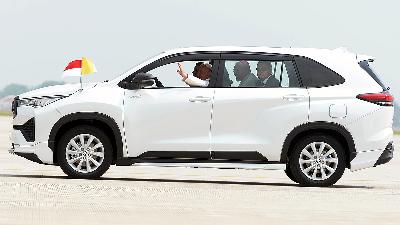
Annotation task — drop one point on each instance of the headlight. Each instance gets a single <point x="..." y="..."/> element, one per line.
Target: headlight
<point x="38" y="102"/>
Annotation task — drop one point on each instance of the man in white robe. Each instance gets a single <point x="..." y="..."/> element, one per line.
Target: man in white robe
<point x="201" y="75"/>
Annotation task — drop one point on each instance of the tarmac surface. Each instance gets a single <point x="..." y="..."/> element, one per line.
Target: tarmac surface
<point x="36" y="194"/>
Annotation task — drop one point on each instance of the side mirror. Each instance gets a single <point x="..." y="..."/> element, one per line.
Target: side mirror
<point x="145" y="83"/>
<point x="141" y="80"/>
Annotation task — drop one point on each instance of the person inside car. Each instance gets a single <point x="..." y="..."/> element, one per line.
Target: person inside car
<point x="264" y="74"/>
<point x="243" y="74"/>
<point x="201" y="75"/>
<point x="226" y="80"/>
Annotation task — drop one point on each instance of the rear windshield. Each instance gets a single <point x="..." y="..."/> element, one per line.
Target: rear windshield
<point x="365" y="65"/>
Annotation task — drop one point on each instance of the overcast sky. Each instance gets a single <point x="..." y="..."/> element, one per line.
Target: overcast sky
<point x="39" y="37"/>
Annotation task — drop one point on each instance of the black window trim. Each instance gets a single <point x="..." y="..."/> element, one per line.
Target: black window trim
<point x="220" y="58"/>
<point x="180" y="57"/>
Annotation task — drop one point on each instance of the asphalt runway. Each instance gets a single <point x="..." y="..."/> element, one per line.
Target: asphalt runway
<point x="36" y="194"/>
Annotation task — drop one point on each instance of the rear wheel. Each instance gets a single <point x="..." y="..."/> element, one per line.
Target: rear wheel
<point x="84" y="152"/>
<point x="317" y="160"/>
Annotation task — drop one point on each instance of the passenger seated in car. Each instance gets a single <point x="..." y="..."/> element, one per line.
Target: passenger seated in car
<point x="243" y="74"/>
<point x="201" y="75"/>
<point x="226" y="80"/>
<point x="264" y="73"/>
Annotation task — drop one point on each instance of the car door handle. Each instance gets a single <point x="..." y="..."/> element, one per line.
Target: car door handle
<point x="199" y="99"/>
<point x="293" y="97"/>
<point x="136" y="96"/>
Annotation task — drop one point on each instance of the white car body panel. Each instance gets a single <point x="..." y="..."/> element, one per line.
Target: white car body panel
<point x="104" y="99"/>
<point x="65" y="89"/>
<point x="367" y="136"/>
<point x="256" y="119"/>
<point x="173" y="122"/>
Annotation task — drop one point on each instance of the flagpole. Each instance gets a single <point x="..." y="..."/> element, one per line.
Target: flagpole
<point x="80" y="79"/>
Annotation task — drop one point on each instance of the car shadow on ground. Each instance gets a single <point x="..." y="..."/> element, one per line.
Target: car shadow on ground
<point x="186" y="181"/>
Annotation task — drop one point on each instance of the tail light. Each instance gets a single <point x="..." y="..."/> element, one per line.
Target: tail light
<point x="383" y="98"/>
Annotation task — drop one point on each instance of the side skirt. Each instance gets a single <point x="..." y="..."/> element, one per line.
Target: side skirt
<point x="203" y="159"/>
<point x="247" y="166"/>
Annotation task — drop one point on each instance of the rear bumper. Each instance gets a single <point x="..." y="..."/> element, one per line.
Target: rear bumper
<point x="386" y="155"/>
<point x="374" y="158"/>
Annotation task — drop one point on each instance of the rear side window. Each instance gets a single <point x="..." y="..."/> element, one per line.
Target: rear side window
<point x="259" y="73"/>
<point x="314" y="74"/>
<point x="365" y="65"/>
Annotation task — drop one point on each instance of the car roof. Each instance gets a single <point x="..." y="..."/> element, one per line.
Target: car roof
<point x="233" y="49"/>
<point x="307" y="52"/>
<point x="320" y="55"/>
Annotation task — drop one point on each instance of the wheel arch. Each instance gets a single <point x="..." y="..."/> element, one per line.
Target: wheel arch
<point x="333" y="129"/>
<point x="100" y="120"/>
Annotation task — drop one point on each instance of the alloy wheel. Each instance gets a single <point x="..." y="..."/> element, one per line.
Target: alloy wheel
<point x="84" y="153"/>
<point x="318" y="161"/>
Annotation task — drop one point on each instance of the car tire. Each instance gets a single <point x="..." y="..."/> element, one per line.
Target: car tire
<point x="317" y="160"/>
<point x="289" y="174"/>
<point x="87" y="161"/>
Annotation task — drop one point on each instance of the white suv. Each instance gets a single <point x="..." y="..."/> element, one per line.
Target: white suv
<point x="326" y="110"/>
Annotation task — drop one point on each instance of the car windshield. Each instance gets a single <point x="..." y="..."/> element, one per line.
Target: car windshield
<point x="137" y="66"/>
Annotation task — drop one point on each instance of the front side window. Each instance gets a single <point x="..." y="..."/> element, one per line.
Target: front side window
<point x="184" y="74"/>
<point x="259" y="73"/>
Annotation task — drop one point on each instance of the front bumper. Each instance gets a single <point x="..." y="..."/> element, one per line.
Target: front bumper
<point x="29" y="156"/>
<point x="38" y="152"/>
<point x="29" y="136"/>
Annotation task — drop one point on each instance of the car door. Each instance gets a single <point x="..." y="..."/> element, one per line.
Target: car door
<point x="250" y="118"/>
<point x="164" y="122"/>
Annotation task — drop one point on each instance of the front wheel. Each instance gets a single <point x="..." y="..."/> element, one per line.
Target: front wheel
<point x="84" y="152"/>
<point x="317" y="160"/>
<point x="289" y="174"/>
